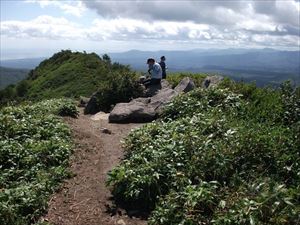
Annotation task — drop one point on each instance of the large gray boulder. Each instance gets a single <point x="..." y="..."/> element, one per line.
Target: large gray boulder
<point x="212" y="81"/>
<point x="142" y="100"/>
<point x="166" y="94"/>
<point x="163" y="97"/>
<point x="154" y="89"/>
<point x="148" y="109"/>
<point x="185" y="85"/>
<point x="133" y="111"/>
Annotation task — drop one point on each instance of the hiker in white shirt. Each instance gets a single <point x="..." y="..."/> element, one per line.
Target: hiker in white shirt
<point x="155" y="72"/>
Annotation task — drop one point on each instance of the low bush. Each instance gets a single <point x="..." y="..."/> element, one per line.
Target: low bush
<point x="227" y="155"/>
<point x="35" y="147"/>
<point x="175" y="78"/>
<point x="119" y="87"/>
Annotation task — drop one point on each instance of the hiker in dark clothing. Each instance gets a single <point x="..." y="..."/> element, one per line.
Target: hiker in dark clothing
<point x="163" y="67"/>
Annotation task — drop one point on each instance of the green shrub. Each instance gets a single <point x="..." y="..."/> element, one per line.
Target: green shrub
<point x="263" y="202"/>
<point x="34" y="150"/>
<point x="119" y="87"/>
<point x="193" y="204"/>
<point x="68" y="108"/>
<point x="8" y="94"/>
<point x="175" y="78"/>
<point x="22" y="88"/>
<point x="238" y="142"/>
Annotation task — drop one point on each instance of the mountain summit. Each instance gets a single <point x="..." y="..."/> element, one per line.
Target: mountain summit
<point x="68" y="74"/>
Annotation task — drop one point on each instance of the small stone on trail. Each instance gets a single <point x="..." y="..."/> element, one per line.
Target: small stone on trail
<point x="121" y="222"/>
<point x="100" y="116"/>
<point x="105" y="130"/>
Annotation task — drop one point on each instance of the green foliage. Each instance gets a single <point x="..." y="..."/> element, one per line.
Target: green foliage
<point x="72" y="74"/>
<point x="120" y="87"/>
<point x="8" y="94"/>
<point x="193" y="204"/>
<point x="106" y="58"/>
<point x="175" y="78"/>
<point x="263" y="202"/>
<point x="34" y="150"/>
<point x="227" y="155"/>
<point x="291" y="103"/>
<point x="43" y="223"/>
<point x="22" y="88"/>
<point x="66" y="108"/>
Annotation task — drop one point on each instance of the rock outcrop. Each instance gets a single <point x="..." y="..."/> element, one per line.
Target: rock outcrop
<point x="185" y="85"/>
<point x="133" y="111"/>
<point x="212" y="81"/>
<point x="91" y="107"/>
<point x="148" y="108"/>
<point x="161" y="99"/>
<point x="154" y="89"/>
<point x="83" y="101"/>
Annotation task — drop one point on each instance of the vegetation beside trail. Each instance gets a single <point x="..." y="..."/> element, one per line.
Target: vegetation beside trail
<point x="226" y="155"/>
<point x="35" y="146"/>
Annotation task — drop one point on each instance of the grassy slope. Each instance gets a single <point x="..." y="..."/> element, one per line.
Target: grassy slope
<point x="67" y="74"/>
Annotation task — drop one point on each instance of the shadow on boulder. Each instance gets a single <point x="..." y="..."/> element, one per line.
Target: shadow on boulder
<point x="212" y="81"/>
<point x="91" y="106"/>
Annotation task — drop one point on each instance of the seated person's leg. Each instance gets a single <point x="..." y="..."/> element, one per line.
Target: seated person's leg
<point x="155" y="81"/>
<point x="147" y="82"/>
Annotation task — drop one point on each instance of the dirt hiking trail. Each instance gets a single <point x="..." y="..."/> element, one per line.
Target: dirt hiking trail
<point x="83" y="199"/>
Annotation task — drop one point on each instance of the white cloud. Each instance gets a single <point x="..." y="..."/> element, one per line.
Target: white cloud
<point x="280" y="11"/>
<point x="75" y="8"/>
<point x="122" y="29"/>
<point x="255" y="15"/>
<point x="232" y="23"/>
<point x="243" y="33"/>
<point x="42" y="27"/>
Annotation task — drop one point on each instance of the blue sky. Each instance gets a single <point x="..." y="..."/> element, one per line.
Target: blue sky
<point x="34" y="28"/>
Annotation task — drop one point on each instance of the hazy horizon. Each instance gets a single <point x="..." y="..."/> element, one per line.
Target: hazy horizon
<point x="16" y="55"/>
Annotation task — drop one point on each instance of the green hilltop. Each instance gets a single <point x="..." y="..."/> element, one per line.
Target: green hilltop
<point x="69" y="74"/>
<point x="72" y="74"/>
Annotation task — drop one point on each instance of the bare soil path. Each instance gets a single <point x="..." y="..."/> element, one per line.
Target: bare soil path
<point x="83" y="199"/>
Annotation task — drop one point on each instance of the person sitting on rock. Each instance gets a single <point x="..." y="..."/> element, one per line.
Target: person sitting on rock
<point x="163" y="67"/>
<point x="155" y="72"/>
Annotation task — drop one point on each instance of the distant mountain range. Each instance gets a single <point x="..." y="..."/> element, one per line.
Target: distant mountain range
<point x="265" y="66"/>
<point x="11" y="76"/>
<point x="29" y="63"/>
